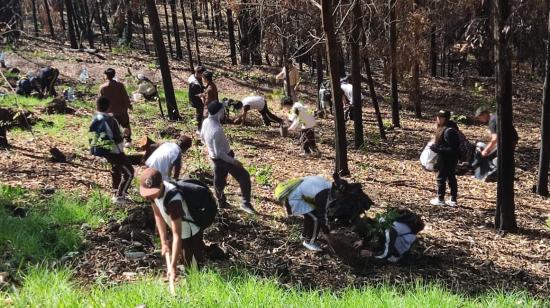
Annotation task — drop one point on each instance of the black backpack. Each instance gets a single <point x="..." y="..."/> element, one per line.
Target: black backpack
<point x="411" y="219"/>
<point x="200" y="201"/>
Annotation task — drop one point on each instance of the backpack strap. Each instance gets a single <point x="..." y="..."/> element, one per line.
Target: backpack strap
<point x="170" y="195"/>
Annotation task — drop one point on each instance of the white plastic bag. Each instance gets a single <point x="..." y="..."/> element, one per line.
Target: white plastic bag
<point x="428" y="158"/>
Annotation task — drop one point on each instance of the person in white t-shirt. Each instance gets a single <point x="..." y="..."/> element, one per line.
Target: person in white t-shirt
<point x="165" y="157"/>
<point x="187" y="237"/>
<point x="347" y="89"/>
<point x="306" y="197"/>
<point x="258" y="103"/>
<point x="302" y="118"/>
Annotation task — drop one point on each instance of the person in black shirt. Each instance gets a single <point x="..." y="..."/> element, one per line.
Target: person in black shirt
<point x="447" y="147"/>
<point x="195" y="89"/>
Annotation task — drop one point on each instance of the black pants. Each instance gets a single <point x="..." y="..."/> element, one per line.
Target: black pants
<point x="221" y="170"/>
<point x="3" y="136"/>
<point x="307" y="141"/>
<point x="199" y="116"/>
<point x="268" y="116"/>
<point x="193" y="247"/>
<point x="314" y="222"/>
<point x="447" y="173"/>
<point x="47" y="83"/>
<point x="122" y="172"/>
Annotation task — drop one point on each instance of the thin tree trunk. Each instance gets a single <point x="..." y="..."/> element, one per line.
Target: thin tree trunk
<point x="169" y="94"/>
<point x="195" y="33"/>
<point x="356" y="76"/>
<point x="105" y="23"/>
<point x="49" y="16"/>
<point x="143" y="31"/>
<point x="231" y="32"/>
<point x="89" y="19"/>
<point x="187" y="39"/>
<point x="374" y="99"/>
<point x="415" y="89"/>
<point x="213" y="28"/>
<point x="287" y="68"/>
<point x="433" y="52"/>
<point x="319" y="74"/>
<point x="341" y="164"/>
<point x="34" y="19"/>
<point x="205" y="12"/>
<point x="393" y="56"/>
<point x="61" y="17"/>
<point x="544" y="159"/>
<point x="176" y="28"/>
<point x="70" y="21"/>
<point x="505" y="218"/>
<point x="443" y="47"/>
<point x="97" y="16"/>
<point x="167" y="23"/>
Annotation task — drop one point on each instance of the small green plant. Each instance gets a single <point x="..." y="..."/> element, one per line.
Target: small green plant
<point x="387" y="124"/>
<point x="364" y="166"/>
<point x="261" y="174"/>
<point x="459" y="118"/>
<point x="548" y="223"/>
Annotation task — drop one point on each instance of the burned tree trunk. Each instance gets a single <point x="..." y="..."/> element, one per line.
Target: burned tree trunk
<point x="171" y="104"/>
<point x="231" y="32"/>
<point x="393" y="60"/>
<point x="341" y="167"/>
<point x="167" y="23"/>
<point x="176" y="28"/>
<point x="187" y="39"/>
<point x="544" y="158"/>
<point x="195" y="33"/>
<point x="356" y="76"/>
<point x="374" y="99"/>
<point x="433" y="52"/>
<point x="415" y="93"/>
<point x="34" y="19"/>
<point x="105" y="23"/>
<point x="505" y="217"/>
<point x="49" y="16"/>
<point x="70" y="22"/>
<point x="143" y="31"/>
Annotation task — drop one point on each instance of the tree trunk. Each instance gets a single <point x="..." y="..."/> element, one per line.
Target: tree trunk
<point x="244" y="29"/>
<point x="505" y="218"/>
<point x="287" y="68"/>
<point x="49" y="16"/>
<point x="544" y="159"/>
<point x="393" y="60"/>
<point x="176" y="28"/>
<point x="374" y="99"/>
<point x="195" y="33"/>
<point x="70" y="22"/>
<point x="187" y="39"/>
<point x="143" y="31"/>
<point x="415" y="89"/>
<point x="167" y="23"/>
<point x="319" y="74"/>
<point x="169" y="95"/>
<point x="484" y="57"/>
<point x="433" y="52"/>
<point x="213" y="17"/>
<point x="218" y="18"/>
<point x="105" y="23"/>
<point x="61" y="17"/>
<point x="356" y="76"/>
<point x="231" y="32"/>
<point x="34" y="19"/>
<point x="97" y="16"/>
<point x="206" y="12"/>
<point x="89" y="19"/>
<point x="341" y="167"/>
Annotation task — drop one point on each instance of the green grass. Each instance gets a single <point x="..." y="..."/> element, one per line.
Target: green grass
<point x="55" y="288"/>
<point x="261" y="174"/>
<point x="52" y="225"/>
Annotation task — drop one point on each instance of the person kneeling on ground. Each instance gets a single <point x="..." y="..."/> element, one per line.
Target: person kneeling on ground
<point x="258" y="103"/>
<point x="166" y="157"/>
<point x="300" y="116"/>
<point x="187" y="208"/>
<point x="47" y="77"/>
<point x="390" y="237"/>
<point x="223" y="159"/>
<point x="306" y="197"/>
<point x="106" y="141"/>
<point x="446" y="145"/>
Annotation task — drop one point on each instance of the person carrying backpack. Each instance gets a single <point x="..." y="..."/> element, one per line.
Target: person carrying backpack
<point x="446" y="145"/>
<point x="106" y="141"/>
<point x="306" y="197"/>
<point x="187" y="208"/>
<point x="394" y="234"/>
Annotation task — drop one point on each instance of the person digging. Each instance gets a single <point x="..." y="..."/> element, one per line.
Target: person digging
<point x="165" y="157"/>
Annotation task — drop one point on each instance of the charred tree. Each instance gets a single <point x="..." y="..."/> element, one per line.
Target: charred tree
<point x="195" y="33"/>
<point x="176" y="28"/>
<point x="167" y="23"/>
<point x="231" y="32"/>
<point x="187" y="39"/>
<point x="34" y="19"/>
<point x="505" y="217"/>
<point x="143" y="31"/>
<point x="171" y="104"/>
<point x="433" y="52"/>
<point x="105" y="23"/>
<point x="70" y="22"/>
<point x="356" y="77"/>
<point x="544" y="158"/>
<point x="49" y="16"/>
<point x="393" y="63"/>
<point x="341" y="164"/>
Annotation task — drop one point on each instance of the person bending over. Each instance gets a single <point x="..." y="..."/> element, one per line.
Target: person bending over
<point x="258" y="103"/>
<point x="165" y="157"/>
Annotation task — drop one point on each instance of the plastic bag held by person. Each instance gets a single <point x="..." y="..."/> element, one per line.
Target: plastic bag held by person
<point x="428" y="158"/>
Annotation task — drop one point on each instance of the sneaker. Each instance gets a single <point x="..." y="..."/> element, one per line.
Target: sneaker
<point x="249" y="209"/>
<point x="118" y="199"/>
<point x="436" y="201"/>
<point x="451" y="203"/>
<point x="312" y="246"/>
